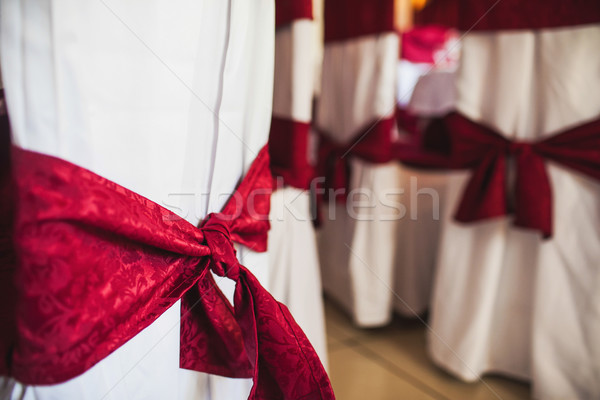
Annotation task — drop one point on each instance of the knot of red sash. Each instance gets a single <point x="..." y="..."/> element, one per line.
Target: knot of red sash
<point x="218" y="239"/>
<point x="372" y="144"/>
<point x="518" y="147"/>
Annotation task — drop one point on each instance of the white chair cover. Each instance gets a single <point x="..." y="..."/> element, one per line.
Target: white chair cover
<point x="294" y="265"/>
<point x="169" y="99"/>
<point x="505" y="300"/>
<point x="357" y="246"/>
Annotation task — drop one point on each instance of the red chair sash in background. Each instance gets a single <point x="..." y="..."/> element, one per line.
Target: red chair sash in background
<point x="486" y="153"/>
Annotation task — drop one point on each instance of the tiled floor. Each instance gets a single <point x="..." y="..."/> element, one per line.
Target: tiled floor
<point x="391" y="364"/>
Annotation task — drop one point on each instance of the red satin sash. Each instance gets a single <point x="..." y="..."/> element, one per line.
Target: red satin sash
<point x="287" y="11"/>
<point x="372" y="144"/>
<point x="348" y="19"/>
<point x="288" y="149"/>
<point x="493" y="15"/>
<point x="98" y="263"/>
<point x="486" y="153"/>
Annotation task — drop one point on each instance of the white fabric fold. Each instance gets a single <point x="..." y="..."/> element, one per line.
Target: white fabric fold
<point x="171" y="100"/>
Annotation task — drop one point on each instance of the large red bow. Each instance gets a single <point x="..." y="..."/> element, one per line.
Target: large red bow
<point x="487" y="153"/>
<point x="98" y="263"/>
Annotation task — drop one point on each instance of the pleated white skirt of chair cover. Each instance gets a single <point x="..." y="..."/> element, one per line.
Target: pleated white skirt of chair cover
<point x="505" y="300"/>
<point x="356" y="244"/>
<point x="170" y="100"/>
<point x="293" y="248"/>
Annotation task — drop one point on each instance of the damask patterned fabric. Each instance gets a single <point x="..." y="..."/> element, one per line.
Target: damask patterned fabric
<point x="127" y="260"/>
<point x="169" y="99"/>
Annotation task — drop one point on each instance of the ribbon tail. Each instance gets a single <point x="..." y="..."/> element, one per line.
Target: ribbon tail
<point x="533" y="208"/>
<point x="485" y="194"/>
<point x="334" y="168"/>
<point x="211" y="340"/>
<point x="285" y="364"/>
<point x="337" y="178"/>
